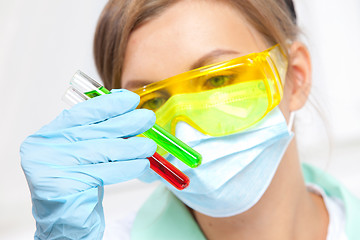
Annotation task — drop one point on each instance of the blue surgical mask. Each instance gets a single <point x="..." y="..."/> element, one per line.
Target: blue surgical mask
<point x="236" y="169"/>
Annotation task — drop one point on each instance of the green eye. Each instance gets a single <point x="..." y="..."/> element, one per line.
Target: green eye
<point x="154" y="103"/>
<point x="218" y="81"/>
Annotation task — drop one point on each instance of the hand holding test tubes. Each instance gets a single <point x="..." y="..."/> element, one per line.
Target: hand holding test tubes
<point x="68" y="162"/>
<point x="83" y="87"/>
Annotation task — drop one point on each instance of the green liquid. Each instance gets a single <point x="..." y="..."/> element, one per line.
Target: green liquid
<point x="162" y="138"/>
<point x="97" y="92"/>
<point x="174" y="146"/>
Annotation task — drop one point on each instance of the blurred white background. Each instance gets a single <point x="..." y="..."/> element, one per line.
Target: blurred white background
<point x="42" y="43"/>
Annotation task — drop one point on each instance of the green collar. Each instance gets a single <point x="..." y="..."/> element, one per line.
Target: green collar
<point x="164" y="217"/>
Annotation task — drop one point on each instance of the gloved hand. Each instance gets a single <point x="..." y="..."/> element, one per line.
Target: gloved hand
<point x="67" y="163"/>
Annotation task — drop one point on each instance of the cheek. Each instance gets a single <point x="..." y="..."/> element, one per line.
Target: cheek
<point x="285" y="102"/>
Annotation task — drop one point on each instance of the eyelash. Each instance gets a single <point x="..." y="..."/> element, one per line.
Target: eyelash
<point x="227" y="79"/>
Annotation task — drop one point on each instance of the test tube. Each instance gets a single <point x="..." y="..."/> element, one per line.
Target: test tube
<point x="157" y="163"/>
<point x="168" y="171"/>
<point x="164" y="139"/>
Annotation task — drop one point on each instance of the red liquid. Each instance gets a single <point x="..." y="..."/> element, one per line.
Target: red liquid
<point x="168" y="171"/>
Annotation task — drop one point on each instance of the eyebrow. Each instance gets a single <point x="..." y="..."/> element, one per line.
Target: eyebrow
<point x="211" y="56"/>
<point x="202" y="61"/>
<point x="135" y="84"/>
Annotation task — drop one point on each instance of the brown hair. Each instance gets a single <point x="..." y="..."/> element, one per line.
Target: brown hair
<point x="271" y="18"/>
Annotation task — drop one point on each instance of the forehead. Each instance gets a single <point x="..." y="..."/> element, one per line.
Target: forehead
<point x="170" y="43"/>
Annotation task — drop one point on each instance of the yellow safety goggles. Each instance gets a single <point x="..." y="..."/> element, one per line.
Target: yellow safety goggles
<point x="222" y="98"/>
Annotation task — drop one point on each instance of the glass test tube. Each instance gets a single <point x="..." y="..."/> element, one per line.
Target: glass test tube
<point x="174" y="146"/>
<point x="83" y="88"/>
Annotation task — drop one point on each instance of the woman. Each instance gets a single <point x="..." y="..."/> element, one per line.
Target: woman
<point x="243" y="55"/>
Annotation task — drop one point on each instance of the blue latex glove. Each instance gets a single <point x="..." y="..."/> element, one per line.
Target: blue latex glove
<point x="68" y="161"/>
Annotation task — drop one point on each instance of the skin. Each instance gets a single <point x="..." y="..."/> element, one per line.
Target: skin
<point x="176" y="39"/>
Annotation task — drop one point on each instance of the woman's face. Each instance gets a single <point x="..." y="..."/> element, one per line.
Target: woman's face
<point x="191" y="34"/>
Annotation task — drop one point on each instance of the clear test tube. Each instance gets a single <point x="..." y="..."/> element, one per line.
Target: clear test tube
<point x="83" y="88"/>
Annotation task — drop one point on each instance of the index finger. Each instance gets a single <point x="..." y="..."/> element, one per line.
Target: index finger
<point x="95" y="110"/>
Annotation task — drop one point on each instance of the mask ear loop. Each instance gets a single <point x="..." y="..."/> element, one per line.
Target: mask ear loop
<point x="291" y="121"/>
